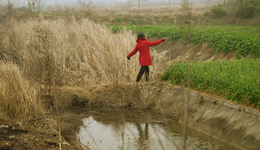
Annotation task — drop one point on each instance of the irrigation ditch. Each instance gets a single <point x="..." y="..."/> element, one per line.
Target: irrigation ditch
<point x="219" y="118"/>
<point x="233" y="124"/>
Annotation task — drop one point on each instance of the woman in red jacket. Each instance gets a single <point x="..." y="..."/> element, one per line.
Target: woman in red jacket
<point x="145" y="58"/>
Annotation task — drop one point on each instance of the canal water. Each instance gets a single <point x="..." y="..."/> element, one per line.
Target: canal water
<point x="140" y="130"/>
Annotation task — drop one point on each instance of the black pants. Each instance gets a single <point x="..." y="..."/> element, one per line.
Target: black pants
<point x="141" y="72"/>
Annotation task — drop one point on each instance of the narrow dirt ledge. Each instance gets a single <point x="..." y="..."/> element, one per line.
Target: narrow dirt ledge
<point x="231" y="123"/>
<point x="39" y="134"/>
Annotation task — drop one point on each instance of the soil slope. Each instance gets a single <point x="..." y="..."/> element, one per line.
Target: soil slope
<point x="178" y="51"/>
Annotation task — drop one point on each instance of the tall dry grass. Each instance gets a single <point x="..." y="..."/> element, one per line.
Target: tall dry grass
<point x="79" y="52"/>
<point x="18" y="97"/>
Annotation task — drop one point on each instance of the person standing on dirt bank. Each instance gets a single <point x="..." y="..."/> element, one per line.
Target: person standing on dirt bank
<point x="145" y="58"/>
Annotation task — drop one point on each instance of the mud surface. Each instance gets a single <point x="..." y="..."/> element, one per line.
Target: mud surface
<point x="38" y="135"/>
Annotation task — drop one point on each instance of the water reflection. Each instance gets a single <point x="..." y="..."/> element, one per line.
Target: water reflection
<point x="113" y="133"/>
<point x="143" y="136"/>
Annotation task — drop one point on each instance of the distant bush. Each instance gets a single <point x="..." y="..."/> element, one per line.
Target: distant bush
<point x="142" y="20"/>
<point x="217" y="11"/>
<point x="134" y="22"/>
<point x="206" y="13"/>
<point x="118" y="19"/>
<point x="249" y="9"/>
<point x="89" y="13"/>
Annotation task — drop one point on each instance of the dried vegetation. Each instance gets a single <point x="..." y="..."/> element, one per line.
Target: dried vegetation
<point x="19" y="98"/>
<point x="80" y="52"/>
<point x="64" y="52"/>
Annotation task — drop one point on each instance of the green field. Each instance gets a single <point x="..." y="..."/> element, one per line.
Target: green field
<point x="229" y="38"/>
<point x="236" y="80"/>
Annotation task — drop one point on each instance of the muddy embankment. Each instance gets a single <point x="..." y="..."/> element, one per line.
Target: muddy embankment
<point x="175" y="51"/>
<point x="219" y="118"/>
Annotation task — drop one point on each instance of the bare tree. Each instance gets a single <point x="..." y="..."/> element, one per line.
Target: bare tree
<point x="129" y="4"/>
<point x="10" y="8"/>
<point x="58" y="6"/>
<point x="35" y="5"/>
<point x="2" y="7"/>
<point x="6" y="7"/>
<point x="49" y="8"/>
<point x="139" y="3"/>
<point x="84" y="5"/>
<point x="32" y="5"/>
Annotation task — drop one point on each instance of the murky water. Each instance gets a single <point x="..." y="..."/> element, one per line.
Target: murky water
<point x="132" y="131"/>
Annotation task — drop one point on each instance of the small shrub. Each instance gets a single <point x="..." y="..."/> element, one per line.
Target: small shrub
<point x="106" y="19"/>
<point x="206" y="13"/>
<point x="89" y="13"/>
<point x="134" y="22"/>
<point x="142" y="20"/>
<point x="118" y="19"/>
<point x="217" y="11"/>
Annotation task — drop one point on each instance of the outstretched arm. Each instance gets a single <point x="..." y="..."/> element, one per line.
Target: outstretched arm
<point x="155" y="42"/>
<point x="132" y="53"/>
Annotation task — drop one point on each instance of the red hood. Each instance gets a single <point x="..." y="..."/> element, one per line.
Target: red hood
<point x="139" y="40"/>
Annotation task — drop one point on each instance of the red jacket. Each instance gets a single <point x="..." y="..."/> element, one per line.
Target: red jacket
<point x="143" y="47"/>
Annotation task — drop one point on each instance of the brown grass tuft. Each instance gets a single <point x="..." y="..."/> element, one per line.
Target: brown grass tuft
<point x="123" y="95"/>
<point x="18" y="97"/>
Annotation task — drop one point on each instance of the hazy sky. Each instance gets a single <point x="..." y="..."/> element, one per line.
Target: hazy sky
<point x="66" y="2"/>
<point x="102" y="2"/>
<point x="75" y="1"/>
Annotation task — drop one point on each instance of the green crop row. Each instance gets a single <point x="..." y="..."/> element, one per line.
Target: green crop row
<point x="243" y="39"/>
<point x="236" y="80"/>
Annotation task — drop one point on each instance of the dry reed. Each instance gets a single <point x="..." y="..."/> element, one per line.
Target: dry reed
<point x="18" y="97"/>
<point x="80" y="51"/>
<point x="74" y="53"/>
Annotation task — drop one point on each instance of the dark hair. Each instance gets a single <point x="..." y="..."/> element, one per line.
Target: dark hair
<point x="140" y="35"/>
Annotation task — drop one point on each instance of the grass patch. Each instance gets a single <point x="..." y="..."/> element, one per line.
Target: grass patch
<point x="236" y="80"/>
